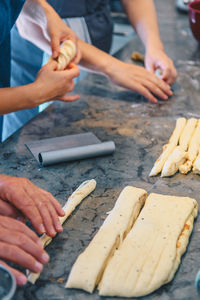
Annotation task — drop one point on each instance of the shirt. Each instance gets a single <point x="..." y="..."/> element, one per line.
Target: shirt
<point x="9" y="11"/>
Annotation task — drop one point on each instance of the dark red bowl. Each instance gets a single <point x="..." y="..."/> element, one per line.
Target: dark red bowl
<point x="194" y="18"/>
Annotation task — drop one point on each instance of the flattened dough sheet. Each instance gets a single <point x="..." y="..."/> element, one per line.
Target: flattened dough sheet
<point x="150" y="254"/>
<point x="89" y="266"/>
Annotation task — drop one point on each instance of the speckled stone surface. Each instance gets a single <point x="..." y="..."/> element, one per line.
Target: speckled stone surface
<point x="139" y="130"/>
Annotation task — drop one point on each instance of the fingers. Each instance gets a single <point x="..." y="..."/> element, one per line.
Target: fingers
<point x="22" y="241"/>
<point x="24" y="202"/>
<point x="9" y="210"/>
<point x="169" y="75"/>
<point x="69" y="98"/>
<point x="47" y="211"/>
<point x="20" y="257"/>
<point x="145" y="92"/>
<point x="20" y="277"/>
<point x="73" y="70"/>
<point x="55" y="203"/>
<point x="8" y="223"/>
<point x="55" y="45"/>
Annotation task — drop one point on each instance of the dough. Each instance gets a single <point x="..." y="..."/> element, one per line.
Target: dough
<point x="192" y="150"/>
<point x="180" y="125"/>
<point x="150" y="254"/>
<point x="67" y="53"/>
<point x="167" y="149"/>
<point x="187" y="133"/>
<point x="194" y="143"/>
<point x="186" y="167"/>
<point x="158" y="165"/>
<point x="89" y="266"/>
<point x="176" y="158"/>
<point x="78" y="195"/>
<point x="196" y="165"/>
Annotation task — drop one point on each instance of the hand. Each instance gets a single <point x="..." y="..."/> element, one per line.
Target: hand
<point x="20" y="245"/>
<point x="59" y="32"/>
<point x="7" y="209"/>
<point x="157" y="59"/>
<point x="39" y="206"/>
<point x="55" y="84"/>
<point x="140" y="80"/>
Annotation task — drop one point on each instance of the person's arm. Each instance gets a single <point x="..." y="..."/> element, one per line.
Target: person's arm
<point x="49" y="85"/>
<point x="142" y="16"/>
<point x="132" y="77"/>
<point x="20" y="245"/>
<point x="58" y="30"/>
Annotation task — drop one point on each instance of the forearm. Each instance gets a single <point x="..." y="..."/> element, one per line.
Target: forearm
<point x="95" y="59"/>
<point x="18" y="98"/>
<point x="142" y="16"/>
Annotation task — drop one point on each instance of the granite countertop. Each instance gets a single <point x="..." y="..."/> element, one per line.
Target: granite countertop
<point x="139" y="130"/>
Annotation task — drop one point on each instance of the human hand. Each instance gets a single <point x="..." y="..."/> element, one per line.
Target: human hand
<point x="39" y="206"/>
<point x="20" y="245"/>
<point x="138" y="79"/>
<point x="7" y="209"/>
<point x="53" y="84"/>
<point x="157" y="59"/>
<point x="59" y="32"/>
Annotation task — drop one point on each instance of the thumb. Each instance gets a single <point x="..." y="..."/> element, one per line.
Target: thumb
<point x="69" y="98"/>
<point x="55" y="46"/>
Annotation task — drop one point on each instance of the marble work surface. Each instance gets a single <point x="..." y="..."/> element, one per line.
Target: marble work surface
<point x="139" y="130"/>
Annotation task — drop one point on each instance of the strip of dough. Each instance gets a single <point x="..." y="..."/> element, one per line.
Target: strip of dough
<point x="67" y="53"/>
<point x="89" y="266"/>
<point x="180" y="125"/>
<point x="167" y="149"/>
<point x="157" y="168"/>
<point x="150" y="254"/>
<point x="176" y="158"/>
<point x="187" y="133"/>
<point x="78" y="195"/>
<point x="193" y="150"/>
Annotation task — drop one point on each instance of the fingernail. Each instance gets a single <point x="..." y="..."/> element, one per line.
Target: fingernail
<point x="63" y="212"/>
<point x="41" y="228"/>
<point x="59" y="227"/>
<point x="21" y="280"/>
<point x="55" y="54"/>
<point x="38" y="266"/>
<point x="45" y="258"/>
<point x="52" y="230"/>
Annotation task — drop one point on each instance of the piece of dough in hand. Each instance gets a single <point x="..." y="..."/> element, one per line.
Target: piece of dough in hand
<point x="67" y="54"/>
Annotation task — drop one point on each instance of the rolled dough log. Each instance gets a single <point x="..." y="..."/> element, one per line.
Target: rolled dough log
<point x="158" y="165"/>
<point x="193" y="150"/>
<point x="187" y="133"/>
<point x="89" y="266"/>
<point x="67" y="53"/>
<point x="186" y="167"/>
<point x="180" y="125"/>
<point x="196" y="165"/>
<point x="78" y="195"/>
<point x="176" y="158"/>
<point x="167" y="149"/>
<point x="151" y="252"/>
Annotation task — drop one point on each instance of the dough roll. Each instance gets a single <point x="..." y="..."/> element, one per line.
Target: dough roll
<point x="151" y="252"/>
<point x="90" y="265"/>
